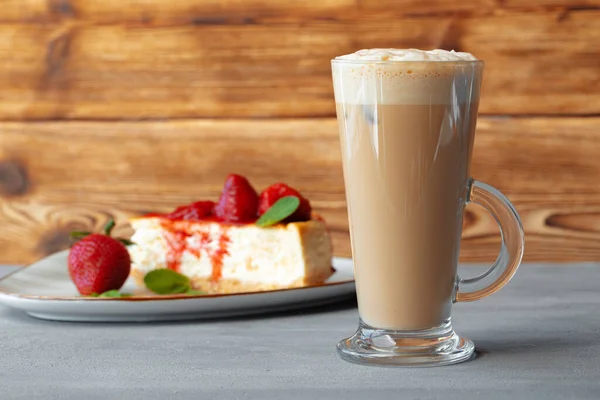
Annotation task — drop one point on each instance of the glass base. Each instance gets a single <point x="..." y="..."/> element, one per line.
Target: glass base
<point x="421" y="348"/>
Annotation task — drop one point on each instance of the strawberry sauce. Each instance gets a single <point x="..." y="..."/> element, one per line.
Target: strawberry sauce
<point x="177" y="233"/>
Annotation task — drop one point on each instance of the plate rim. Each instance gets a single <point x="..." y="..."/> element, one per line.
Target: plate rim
<point x="145" y="298"/>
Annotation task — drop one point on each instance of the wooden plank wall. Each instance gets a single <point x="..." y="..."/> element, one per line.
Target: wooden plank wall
<point x="115" y="108"/>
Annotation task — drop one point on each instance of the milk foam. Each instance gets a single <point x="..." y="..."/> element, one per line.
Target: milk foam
<point x="407" y="55"/>
<point x="410" y="76"/>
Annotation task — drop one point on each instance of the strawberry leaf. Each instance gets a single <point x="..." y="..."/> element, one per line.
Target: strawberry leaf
<point x="110" y="294"/>
<point x="125" y="242"/>
<point x="109" y="227"/>
<point x="283" y="208"/>
<point x="114" y="293"/>
<point x="167" y="281"/>
<point x="79" y="235"/>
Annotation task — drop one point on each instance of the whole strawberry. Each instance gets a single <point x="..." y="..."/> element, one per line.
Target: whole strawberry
<point x="98" y="262"/>
<point x="238" y="201"/>
<point x="270" y="195"/>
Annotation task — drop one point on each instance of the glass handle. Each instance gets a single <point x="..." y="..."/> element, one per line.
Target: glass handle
<point x="511" y="250"/>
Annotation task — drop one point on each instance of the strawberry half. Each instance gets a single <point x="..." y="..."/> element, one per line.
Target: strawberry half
<point x="270" y="195"/>
<point x="193" y="212"/>
<point x="98" y="263"/>
<point x="238" y="201"/>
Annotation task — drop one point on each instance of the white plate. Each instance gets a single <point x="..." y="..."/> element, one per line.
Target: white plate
<point x="44" y="290"/>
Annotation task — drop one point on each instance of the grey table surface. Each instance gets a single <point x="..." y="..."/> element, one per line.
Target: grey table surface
<point x="538" y="338"/>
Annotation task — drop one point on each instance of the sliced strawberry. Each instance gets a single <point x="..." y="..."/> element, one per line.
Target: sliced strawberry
<point x="193" y="212"/>
<point x="238" y="201"/>
<point x="274" y="192"/>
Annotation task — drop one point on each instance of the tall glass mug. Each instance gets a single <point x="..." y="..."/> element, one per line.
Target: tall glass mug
<point x="407" y="122"/>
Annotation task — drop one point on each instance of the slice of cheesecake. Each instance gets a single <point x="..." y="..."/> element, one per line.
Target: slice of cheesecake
<point x="223" y="258"/>
<point x="221" y="249"/>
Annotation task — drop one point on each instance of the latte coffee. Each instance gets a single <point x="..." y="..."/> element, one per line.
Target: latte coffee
<point x="407" y="120"/>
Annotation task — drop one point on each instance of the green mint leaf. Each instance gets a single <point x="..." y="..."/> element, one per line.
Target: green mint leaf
<point x="167" y="281"/>
<point x="195" y="292"/>
<point x="283" y="208"/>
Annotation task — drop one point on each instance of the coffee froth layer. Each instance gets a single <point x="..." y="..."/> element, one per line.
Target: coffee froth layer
<point x="406" y="55"/>
<point x="395" y="77"/>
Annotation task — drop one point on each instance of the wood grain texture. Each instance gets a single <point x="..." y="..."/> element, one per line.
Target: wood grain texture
<point x="58" y="176"/>
<point x="147" y="104"/>
<point x="240" y="11"/>
<point x="540" y="62"/>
